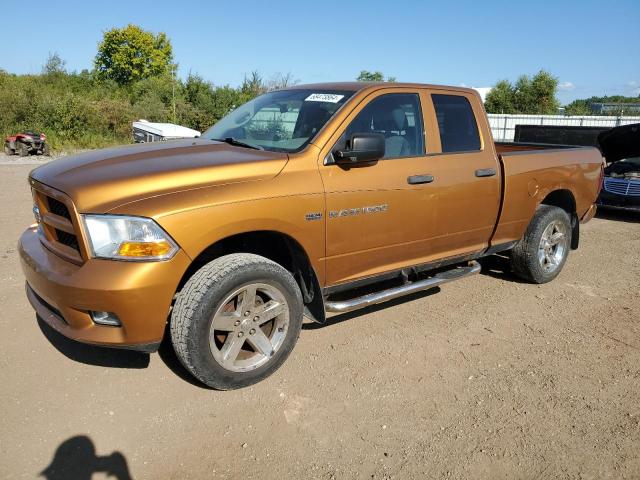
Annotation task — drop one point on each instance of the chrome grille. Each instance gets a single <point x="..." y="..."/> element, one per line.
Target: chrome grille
<point x="622" y="186"/>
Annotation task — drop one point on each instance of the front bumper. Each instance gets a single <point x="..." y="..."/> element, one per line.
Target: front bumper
<point x="620" y="202"/>
<point x="63" y="294"/>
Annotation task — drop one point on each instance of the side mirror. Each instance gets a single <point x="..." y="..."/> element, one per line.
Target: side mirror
<point x="364" y="148"/>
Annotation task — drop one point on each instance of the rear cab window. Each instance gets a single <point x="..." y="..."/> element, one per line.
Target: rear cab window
<point x="456" y="123"/>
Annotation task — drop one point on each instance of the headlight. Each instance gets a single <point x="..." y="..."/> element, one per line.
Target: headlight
<point x="128" y="238"/>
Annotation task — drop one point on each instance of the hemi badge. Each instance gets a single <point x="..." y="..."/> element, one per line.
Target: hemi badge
<point x="313" y="216"/>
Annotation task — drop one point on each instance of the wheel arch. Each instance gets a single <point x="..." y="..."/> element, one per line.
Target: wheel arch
<point x="565" y="199"/>
<point x="278" y="247"/>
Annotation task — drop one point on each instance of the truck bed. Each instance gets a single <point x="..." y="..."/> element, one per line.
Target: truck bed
<point x="532" y="171"/>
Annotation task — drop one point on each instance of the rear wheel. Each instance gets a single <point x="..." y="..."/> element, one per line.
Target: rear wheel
<point x="7" y="149"/>
<point x="542" y="252"/>
<point x="236" y="320"/>
<point x="45" y="149"/>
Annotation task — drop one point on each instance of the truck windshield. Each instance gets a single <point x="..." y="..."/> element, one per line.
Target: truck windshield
<point x="283" y="120"/>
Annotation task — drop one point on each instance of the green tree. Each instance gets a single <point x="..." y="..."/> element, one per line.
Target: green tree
<point x="129" y="54"/>
<point x="535" y="95"/>
<point x="583" y="106"/>
<point x="543" y="90"/>
<point x="500" y="98"/>
<point x="579" y="107"/>
<point x="54" y="65"/>
<point x="253" y="85"/>
<point x="377" y="76"/>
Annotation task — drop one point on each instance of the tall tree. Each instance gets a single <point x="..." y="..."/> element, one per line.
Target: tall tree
<point x="54" y="65"/>
<point x="377" y="76"/>
<point x="500" y="98"/>
<point x="535" y="95"/>
<point x="253" y="85"/>
<point x="129" y="54"/>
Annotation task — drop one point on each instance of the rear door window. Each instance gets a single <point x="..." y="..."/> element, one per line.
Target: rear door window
<point x="457" y="123"/>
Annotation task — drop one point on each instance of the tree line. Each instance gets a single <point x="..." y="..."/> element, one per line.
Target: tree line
<point x="134" y="77"/>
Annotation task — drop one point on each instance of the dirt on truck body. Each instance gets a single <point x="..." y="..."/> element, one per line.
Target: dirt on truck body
<point x="314" y="199"/>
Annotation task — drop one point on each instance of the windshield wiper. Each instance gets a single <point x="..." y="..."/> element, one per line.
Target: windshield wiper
<point x="237" y="143"/>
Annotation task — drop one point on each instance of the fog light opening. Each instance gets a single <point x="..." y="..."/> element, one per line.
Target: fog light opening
<point x="106" y="318"/>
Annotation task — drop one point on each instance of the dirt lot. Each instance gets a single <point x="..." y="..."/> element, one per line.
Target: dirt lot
<point x="487" y="378"/>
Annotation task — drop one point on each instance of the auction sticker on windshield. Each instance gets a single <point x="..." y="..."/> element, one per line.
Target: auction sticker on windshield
<point x="324" y="97"/>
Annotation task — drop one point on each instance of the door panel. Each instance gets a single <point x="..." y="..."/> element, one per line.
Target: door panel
<point x="387" y="230"/>
<point x="374" y="223"/>
<point x="468" y="198"/>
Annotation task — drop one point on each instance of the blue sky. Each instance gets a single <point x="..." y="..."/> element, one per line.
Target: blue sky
<point x="592" y="46"/>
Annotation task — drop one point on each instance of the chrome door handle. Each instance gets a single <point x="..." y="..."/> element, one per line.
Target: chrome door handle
<point x="485" y="172"/>
<point x="418" y="179"/>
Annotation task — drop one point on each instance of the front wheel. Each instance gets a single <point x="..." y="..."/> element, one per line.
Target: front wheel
<point x="23" y="149"/>
<point x="236" y="320"/>
<point x="540" y="255"/>
<point x="7" y="149"/>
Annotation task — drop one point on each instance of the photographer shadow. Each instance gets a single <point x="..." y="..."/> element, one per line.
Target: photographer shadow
<point x="76" y="458"/>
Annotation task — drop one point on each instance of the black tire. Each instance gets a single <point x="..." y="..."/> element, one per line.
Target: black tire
<point x="22" y="149"/>
<point x="46" y="150"/>
<point x="526" y="259"/>
<point x="203" y="295"/>
<point x="8" y="150"/>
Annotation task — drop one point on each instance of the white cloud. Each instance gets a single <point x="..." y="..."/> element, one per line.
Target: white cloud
<point x="483" y="91"/>
<point x="634" y="87"/>
<point x="566" y="86"/>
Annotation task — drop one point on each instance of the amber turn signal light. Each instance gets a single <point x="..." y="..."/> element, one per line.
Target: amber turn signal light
<point x="144" y="249"/>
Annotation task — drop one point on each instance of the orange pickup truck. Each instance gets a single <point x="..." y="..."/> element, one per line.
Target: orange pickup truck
<point x="312" y="199"/>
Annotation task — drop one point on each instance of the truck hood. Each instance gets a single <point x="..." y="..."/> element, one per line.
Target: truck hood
<point x="101" y="180"/>
<point x="620" y="142"/>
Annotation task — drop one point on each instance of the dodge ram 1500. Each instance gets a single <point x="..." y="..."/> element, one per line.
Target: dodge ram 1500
<point x="308" y="200"/>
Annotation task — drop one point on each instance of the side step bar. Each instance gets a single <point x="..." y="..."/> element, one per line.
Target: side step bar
<point x="457" y="273"/>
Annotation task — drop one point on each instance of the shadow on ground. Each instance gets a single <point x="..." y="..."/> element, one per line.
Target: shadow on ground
<point x="499" y="266"/>
<point x="618" y="215"/>
<point x="76" y="458"/>
<point x="99" y="356"/>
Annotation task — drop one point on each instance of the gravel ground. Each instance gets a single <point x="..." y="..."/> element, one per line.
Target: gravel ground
<point x="486" y="378"/>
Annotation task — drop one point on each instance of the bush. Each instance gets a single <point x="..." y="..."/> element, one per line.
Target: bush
<point x="80" y="110"/>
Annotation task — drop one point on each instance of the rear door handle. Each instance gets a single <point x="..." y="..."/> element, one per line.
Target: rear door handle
<point x="485" y="172"/>
<point x="418" y="179"/>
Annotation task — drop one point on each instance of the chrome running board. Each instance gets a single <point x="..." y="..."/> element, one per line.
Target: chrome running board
<point x="343" y="306"/>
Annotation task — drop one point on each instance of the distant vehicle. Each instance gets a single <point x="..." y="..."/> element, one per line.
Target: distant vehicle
<point x="25" y="143"/>
<point x="620" y="147"/>
<point x="144" y="131"/>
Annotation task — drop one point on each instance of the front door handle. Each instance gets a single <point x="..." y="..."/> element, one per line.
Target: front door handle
<point x="418" y="179"/>
<point x="485" y="172"/>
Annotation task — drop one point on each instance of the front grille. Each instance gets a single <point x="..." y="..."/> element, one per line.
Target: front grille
<point x="58" y="224"/>
<point x="58" y="208"/>
<point x="621" y="186"/>
<point x="68" y="239"/>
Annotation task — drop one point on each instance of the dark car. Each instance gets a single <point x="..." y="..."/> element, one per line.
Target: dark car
<point x="621" y="148"/>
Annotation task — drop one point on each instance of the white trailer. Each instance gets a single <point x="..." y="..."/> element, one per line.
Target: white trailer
<point x="144" y="131"/>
